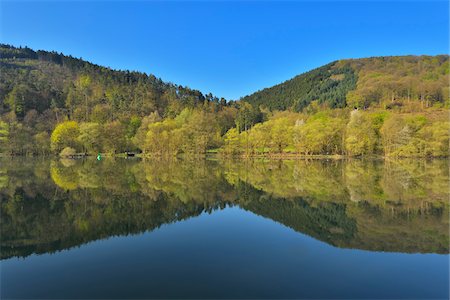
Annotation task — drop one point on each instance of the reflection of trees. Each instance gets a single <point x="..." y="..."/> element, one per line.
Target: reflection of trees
<point x="292" y="178"/>
<point x="407" y="230"/>
<point x="327" y="221"/>
<point x="397" y="185"/>
<point x="189" y="181"/>
<point x="393" y="206"/>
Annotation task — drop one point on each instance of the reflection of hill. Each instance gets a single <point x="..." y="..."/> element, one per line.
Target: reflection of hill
<point x="350" y="226"/>
<point x="47" y="227"/>
<point x="417" y="231"/>
<point x="397" y="206"/>
<point x="327" y="222"/>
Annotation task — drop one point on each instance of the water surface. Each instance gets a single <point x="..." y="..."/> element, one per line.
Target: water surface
<point x="121" y="228"/>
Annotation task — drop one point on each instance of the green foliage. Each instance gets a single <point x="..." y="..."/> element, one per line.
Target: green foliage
<point x="4" y="136"/>
<point x="91" y="108"/>
<point x="397" y="81"/>
<point x="192" y="132"/>
<point x="415" y="136"/>
<point x="113" y="137"/>
<point x="139" y="138"/>
<point x="360" y="83"/>
<point x="55" y="88"/>
<point x="321" y="134"/>
<point x="65" y="135"/>
<point x="90" y="137"/>
<point x="232" y="142"/>
<point x="42" y="142"/>
<point x="328" y="84"/>
<point x="360" y="135"/>
<point x="247" y="116"/>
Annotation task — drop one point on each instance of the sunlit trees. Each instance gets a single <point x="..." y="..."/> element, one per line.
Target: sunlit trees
<point x="4" y="137"/>
<point x="139" y="139"/>
<point x="363" y="97"/>
<point x="259" y="138"/>
<point x="158" y="140"/>
<point x="424" y="140"/>
<point x="43" y="89"/>
<point x="191" y="132"/>
<point x="360" y="136"/>
<point x="90" y="137"/>
<point x="280" y="134"/>
<point x="437" y="136"/>
<point x="65" y="135"/>
<point x="415" y="136"/>
<point x="395" y="133"/>
<point x="232" y="142"/>
<point x="113" y="137"/>
<point x="201" y="132"/>
<point x="67" y="152"/>
<point x="321" y="134"/>
<point x="118" y="111"/>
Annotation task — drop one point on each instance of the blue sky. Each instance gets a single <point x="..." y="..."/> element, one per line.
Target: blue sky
<point x="229" y="48"/>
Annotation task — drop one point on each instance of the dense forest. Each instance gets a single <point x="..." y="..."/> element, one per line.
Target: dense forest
<point x="51" y="103"/>
<point x="361" y="83"/>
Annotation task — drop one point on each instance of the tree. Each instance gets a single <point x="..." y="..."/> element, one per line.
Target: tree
<point x="4" y="136"/>
<point x="321" y="134"/>
<point x="259" y="137"/>
<point x="281" y="134"/>
<point x="160" y="141"/>
<point x="42" y="142"/>
<point x="17" y="99"/>
<point x="65" y="135"/>
<point x="84" y="85"/>
<point x="139" y="138"/>
<point x="437" y="135"/>
<point x="90" y="137"/>
<point x="232" y="144"/>
<point x="113" y="137"/>
<point x="247" y="116"/>
<point x="360" y="135"/>
<point x="395" y="133"/>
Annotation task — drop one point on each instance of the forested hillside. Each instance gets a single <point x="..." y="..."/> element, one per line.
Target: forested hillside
<point x="360" y="83"/>
<point x="40" y="89"/>
<point x="388" y="106"/>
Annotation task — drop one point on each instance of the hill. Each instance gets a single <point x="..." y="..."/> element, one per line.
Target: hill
<point x="362" y="83"/>
<point x="40" y="89"/>
<point x="386" y="106"/>
<point x="42" y="80"/>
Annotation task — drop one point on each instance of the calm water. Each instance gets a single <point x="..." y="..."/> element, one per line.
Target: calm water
<point x="222" y="229"/>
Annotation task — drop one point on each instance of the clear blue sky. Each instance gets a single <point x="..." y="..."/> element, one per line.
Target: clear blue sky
<point x="228" y="48"/>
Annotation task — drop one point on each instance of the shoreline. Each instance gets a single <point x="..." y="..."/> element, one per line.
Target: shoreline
<point x="231" y="157"/>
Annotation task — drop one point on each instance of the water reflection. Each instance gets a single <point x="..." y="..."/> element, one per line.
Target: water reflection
<point x="398" y="206"/>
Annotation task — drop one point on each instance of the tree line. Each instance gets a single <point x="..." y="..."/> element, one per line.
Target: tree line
<point x="344" y="132"/>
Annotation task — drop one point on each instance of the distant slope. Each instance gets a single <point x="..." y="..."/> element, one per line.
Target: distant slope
<point x="361" y="83"/>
